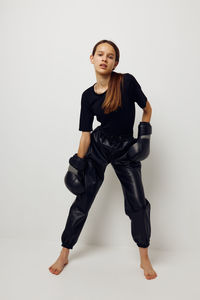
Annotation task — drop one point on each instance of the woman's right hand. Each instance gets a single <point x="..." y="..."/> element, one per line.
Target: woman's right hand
<point x="74" y="178"/>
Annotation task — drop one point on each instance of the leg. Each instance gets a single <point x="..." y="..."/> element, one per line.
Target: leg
<point x="137" y="207"/>
<point x="94" y="176"/>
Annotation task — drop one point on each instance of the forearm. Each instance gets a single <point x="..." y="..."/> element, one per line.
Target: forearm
<point x="84" y="144"/>
<point x="147" y="111"/>
<point x="146" y="117"/>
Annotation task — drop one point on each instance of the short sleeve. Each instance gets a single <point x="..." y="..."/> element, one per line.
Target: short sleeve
<point x="135" y="92"/>
<point x="86" y="115"/>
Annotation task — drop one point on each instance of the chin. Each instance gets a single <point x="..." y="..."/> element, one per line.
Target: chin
<point x="104" y="71"/>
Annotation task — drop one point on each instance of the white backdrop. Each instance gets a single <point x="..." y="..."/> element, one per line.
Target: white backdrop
<point x="45" y="66"/>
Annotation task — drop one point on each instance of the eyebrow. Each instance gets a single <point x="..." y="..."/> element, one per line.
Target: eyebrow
<point x="108" y="53"/>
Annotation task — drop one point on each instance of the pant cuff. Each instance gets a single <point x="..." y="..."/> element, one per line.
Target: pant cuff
<point x="66" y="246"/>
<point x="143" y="245"/>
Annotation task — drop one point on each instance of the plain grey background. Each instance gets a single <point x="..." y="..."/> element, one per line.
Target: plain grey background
<point x="45" y="66"/>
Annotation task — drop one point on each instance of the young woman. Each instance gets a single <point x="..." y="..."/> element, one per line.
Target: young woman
<point x="112" y="99"/>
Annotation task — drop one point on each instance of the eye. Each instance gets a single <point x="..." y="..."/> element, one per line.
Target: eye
<point x="109" y="56"/>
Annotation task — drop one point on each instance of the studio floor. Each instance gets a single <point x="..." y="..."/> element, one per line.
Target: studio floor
<point x="95" y="273"/>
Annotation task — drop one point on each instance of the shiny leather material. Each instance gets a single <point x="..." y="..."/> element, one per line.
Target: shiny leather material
<point x="74" y="178"/>
<point x="141" y="147"/>
<point x="103" y="150"/>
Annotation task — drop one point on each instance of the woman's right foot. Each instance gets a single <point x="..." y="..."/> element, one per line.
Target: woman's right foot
<point x="60" y="263"/>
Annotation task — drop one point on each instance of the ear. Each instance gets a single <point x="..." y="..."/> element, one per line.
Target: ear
<point x="115" y="65"/>
<point x="91" y="58"/>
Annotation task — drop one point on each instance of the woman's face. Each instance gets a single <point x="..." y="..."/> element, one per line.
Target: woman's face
<point x="105" y="54"/>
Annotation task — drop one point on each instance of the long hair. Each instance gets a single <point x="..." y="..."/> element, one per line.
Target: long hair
<point x="113" y="97"/>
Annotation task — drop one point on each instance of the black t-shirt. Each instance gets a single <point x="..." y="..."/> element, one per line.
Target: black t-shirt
<point x="117" y="122"/>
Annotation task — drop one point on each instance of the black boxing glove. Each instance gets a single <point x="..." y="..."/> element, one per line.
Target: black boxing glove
<point x="141" y="148"/>
<point x="74" y="178"/>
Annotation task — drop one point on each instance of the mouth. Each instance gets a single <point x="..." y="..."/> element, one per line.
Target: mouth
<point x="103" y="66"/>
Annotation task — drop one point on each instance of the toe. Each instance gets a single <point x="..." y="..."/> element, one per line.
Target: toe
<point x="148" y="276"/>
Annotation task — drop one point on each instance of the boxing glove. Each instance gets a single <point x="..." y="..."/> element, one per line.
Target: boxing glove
<point x="141" y="148"/>
<point x="74" y="178"/>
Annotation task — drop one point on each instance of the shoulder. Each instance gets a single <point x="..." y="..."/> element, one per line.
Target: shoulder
<point x="88" y="92"/>
<point x="132" y="82"/>
<point x="87" y="96"/>
<point x="129" y="82"/>
<point x="128" y="77"/>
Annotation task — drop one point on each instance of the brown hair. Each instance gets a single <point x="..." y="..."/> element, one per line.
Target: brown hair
<point x="113" y="94"/>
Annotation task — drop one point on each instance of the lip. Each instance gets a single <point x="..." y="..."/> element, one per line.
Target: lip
<point x="104" y="66"/>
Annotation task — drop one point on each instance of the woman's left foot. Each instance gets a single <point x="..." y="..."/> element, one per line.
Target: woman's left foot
<point x="149" y="272"/>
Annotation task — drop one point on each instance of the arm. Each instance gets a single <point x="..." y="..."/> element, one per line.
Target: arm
<point x="147" y="111"/>
<point x="141" y="148"/>
<point x="84" y="144"/>
<point x="74" y="178"/>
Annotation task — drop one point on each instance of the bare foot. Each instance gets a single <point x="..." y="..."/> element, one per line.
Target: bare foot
<point x="60" y="263"/>
<point x="149" y="272"/>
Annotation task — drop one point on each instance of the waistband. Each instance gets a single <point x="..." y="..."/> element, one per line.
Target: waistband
<point x="107" y="134"/>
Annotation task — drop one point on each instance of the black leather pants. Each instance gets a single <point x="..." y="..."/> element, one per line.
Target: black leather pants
<point x="103" y="150"/>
